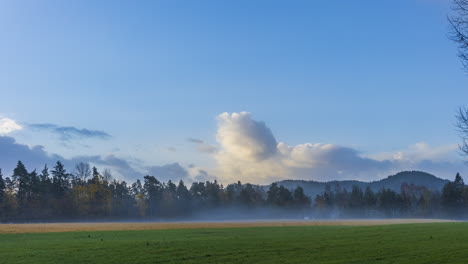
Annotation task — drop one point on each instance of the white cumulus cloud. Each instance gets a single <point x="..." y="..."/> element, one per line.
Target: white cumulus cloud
<point x="8" y="125"/>
<point x="245" y="138"/>
<point x="249" y="152"/>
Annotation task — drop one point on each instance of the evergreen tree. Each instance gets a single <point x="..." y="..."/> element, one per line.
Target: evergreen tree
<point x="21" y="179"/>
<point x="122" y="200"/>
<point x="285" y="196"/>
<point x="60" y="180"/>
<point x="250" y="196"/>
<point x="452" y="196"/>
<point x="273" y="194"/>
<point x="370" y="200"/>
<point x="213" y="193"/>
<point x="198" y="193"/>
<point x="183" y="193"/>
<point x="153" y="192"/>
<point x="230" y="194"/>
<point x="356" y="202"/>
<point x="3" y="196"/>
<point x="184" y="199"/>
<point x="300" y="199"/>
<point x="2" y="190"/>
<point x="45" y="174"/>
<point x="97" y="178"/>
<point x="169" y="200"/>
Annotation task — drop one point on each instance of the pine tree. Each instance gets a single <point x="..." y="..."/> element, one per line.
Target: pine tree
<point x="273" y="194"/>
<point x="22" y="181"/>
<point x="60" y="180"/>
<point x="2" y="189"/>
<point x="452" y="196"/>
<point x="2" y="195"/>
<point x="44" y="174"/>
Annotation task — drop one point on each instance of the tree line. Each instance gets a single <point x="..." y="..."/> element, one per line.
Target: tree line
<point x="91" y="195"/>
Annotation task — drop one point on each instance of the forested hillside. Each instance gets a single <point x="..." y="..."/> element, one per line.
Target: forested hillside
<point x="393" y="182"/>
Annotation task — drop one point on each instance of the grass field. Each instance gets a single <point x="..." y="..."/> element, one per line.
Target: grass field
<point x="402" y="243"/>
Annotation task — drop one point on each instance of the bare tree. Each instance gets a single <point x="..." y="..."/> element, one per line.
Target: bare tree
<point x="459" y="34"/>
<point x="83" y="171"/>
<point x="107" y="174"/>
<point x="462" y="126"/>
<point x="459" y="29"/>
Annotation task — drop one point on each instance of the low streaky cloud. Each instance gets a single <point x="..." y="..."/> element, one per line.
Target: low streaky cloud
<point x="122" y="168"/>
<point x="198" y="174"/>
<point x="176" y="172"/>
<point x="196" y="141"/>
<point x="249" y="152"/>
<point x="172" y="171"/>
<point x="203" y="176"/>
<point x="202" y="146"/>
<point x="67" y="133"/>
<point x="419" y="152"/>
<point x="8" y="125"/>
<point x="33" y="157"/>
<point x="36" y="157"/>
<point x="171" y="149"/>
<point x="128" y="169"/>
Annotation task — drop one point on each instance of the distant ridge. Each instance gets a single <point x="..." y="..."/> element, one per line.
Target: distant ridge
<point x="393" y="182"/>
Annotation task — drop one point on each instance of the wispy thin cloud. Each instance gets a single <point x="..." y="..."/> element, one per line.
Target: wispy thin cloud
<point x="202" y="146"/>
<point x="67" y="133"/>
<point x="171" y="149"/>
<point x="195" y="140"/>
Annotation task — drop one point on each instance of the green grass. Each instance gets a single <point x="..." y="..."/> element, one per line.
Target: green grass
<point x="407" y="243"/>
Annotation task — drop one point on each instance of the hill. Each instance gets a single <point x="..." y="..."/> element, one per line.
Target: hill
<point x="393" y="182"/>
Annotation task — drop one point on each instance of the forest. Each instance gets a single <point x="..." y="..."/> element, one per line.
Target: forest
<point x="55" y="195"/>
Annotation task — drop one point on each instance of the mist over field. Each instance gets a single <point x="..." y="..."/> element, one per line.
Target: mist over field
<point x="90" y="195"/>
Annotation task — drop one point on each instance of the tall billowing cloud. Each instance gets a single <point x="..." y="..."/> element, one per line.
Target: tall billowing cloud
<point x="244" y="138"/>
<point x="249" y="152"/>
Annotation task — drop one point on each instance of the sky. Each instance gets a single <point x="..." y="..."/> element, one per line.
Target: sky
<point x="231" y="90"/>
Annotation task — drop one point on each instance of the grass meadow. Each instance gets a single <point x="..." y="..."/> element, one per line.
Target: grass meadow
<point x="401" y="243"/>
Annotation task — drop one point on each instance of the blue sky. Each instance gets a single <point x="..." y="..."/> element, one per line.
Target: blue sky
<point x="375" y="77"/>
